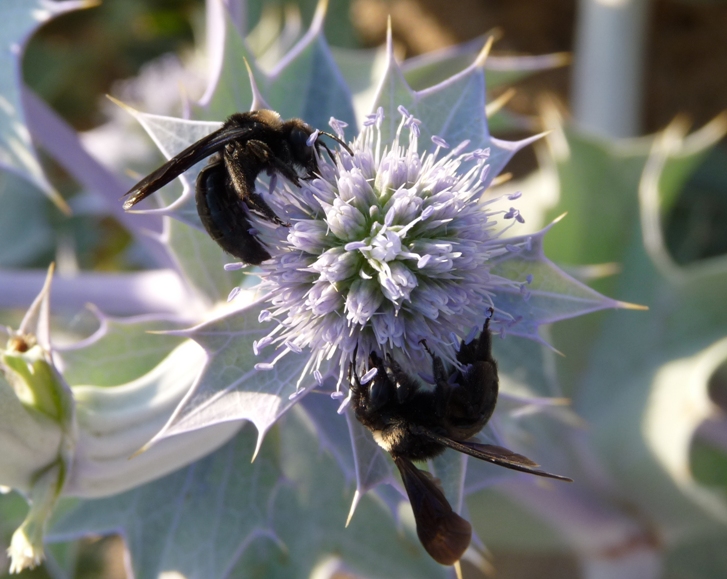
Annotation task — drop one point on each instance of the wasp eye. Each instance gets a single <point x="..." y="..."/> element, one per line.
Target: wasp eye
<point x="298" y="141"/>
<point x="378" y="393"/>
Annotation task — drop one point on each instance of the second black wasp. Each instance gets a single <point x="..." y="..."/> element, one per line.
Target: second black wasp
<point x="415" y="424"/>
<point x="246" y="145"/>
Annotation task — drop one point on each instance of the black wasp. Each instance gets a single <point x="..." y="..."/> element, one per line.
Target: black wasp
<point x="247" y="144"/>
<point x="413" y="424"/>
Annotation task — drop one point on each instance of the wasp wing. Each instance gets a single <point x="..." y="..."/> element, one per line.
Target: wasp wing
<point x="177" y="165"/>
<point x="443" y="533"/>
<point x="491" y="453"/>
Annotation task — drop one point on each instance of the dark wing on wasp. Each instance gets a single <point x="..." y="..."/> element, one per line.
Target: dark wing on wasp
<point x="443" y="533"/>
<point x="177" y="165"/>
<point x="491" y="453"/>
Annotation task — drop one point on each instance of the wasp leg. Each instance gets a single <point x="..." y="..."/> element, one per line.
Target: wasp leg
<point x="269" y="159"/>
<point x="473" y="400"/>
<point x="244" y="162"/>
<point x="443" y="389"/>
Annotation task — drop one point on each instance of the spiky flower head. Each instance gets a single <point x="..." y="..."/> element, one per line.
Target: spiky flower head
<point x="386" y="249"/>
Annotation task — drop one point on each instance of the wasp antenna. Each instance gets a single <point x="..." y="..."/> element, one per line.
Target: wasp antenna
<point x="339" y="141"/>
<point x="328" y="150"/>
<point x="352" y="367"/>
<point x="491" y="311"/>
<point x="424" y="343"/>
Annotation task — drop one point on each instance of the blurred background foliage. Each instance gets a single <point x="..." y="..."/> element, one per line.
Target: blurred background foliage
<point x="78" y="57"/>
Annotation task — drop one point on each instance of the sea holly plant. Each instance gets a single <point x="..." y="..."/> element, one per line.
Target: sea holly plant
<point x="400" y="239"/>
<point x="647" y="503"/>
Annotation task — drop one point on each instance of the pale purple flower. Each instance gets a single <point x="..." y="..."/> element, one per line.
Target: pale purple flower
<point x="388" y="247"/>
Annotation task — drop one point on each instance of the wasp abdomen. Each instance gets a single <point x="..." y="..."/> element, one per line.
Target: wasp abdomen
<point x="224" y="216"/>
